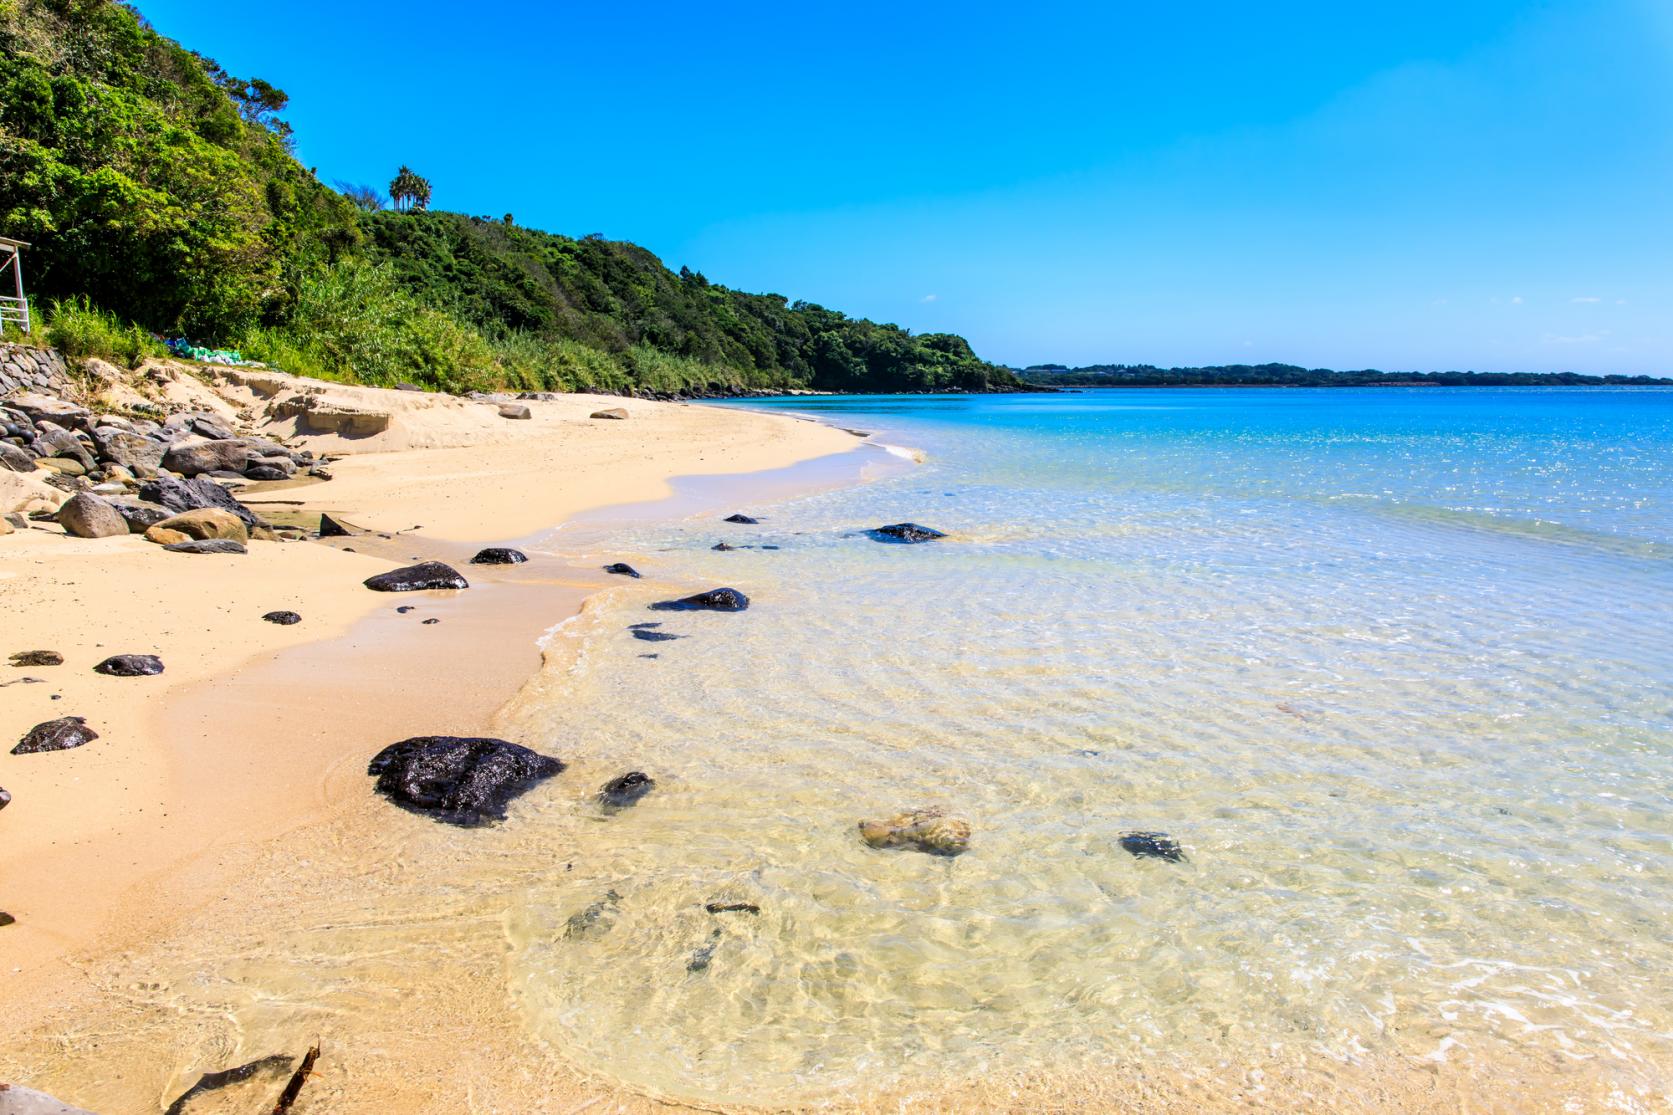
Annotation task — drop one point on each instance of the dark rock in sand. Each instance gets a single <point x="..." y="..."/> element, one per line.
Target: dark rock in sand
<point x="190" y="495"/>
<point x="56" y="735"/>
<point x="621" y="569"/>
<point x="265" y="472"/>
<point x="404" y="609"/>
<point x="458" y="780"/>
<point x="331" y="528"/>
<point x="283" y="619"/>
<point x="654" y="636"/>
<point x="905" y="532"/>
<point x="619" y="793"/>
<point x="617" y="413"/>
<point x="5" y="920"/>
<point x="1158" y="845"/>
<point x="723" y="547"/>
<point x="130" y="666"/>
<point x="140" y="517"/>
<point x="417" y="578"/>
<point x="408" y="387"/>
<point x="515" y="411"/>
<point x="428" y="622"/>
<point x="37" y="658"/>
<point x="5" y="797"/>
<point x="499" y="555"/>
<point x="731" y="907"/>
<point x="740" y="518"/>
<point x="206" y="546"/>
<point x="715" y="600"/>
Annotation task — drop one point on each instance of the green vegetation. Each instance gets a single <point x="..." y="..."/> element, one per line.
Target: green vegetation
<point x="1289" y="375"/>
<point x="162" y="190"/>
<point x="79" y="329"/>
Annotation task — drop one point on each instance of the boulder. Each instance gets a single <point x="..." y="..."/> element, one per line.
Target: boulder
<point x="715" y="600"/>
<point x="264" y="472"/>
<point x="626" y="789"/>
<point x="49" y="408"/>
<point x="280" y="464"/>
<point x="165" y="537"/>
<point x="189" y="495"/>
<point x="908" y="533"/>
<point x="130" y="666"/>
<point x="37" y="658"/>
<point x="56" y="735"/>
<point x="67" y="466"/>
<point x="499" y="555"/>
<point x="741" y="519"/>
<point x="283" y="619"/>
<point x="923" y="830"/>
<point x="323" y="415"/>
<point x="1157" y="845"/>
<point x="16" y="459"/>
<point x="128" y="449"/>
<point x="514" y="410"/>
<point x="621" y="569"/>
<point x="190" y="459"/>
<point x="417" y="578"/>
<point x="85" y="515"/>
<point x="206" y="546"/>
<point x="331" y="528"/>
<point x="458" y="780"/>
<point x="617" y="413"/>
<point x="140" y="517"/>
<point x="27" y="492"/>
<point x="206" y="522"/>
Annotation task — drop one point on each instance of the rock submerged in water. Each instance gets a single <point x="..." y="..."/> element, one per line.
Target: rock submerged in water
<point x="283" y="619"/>
<point x="1158" y="845"/>
<point x="619" y="793"/>
<point x="904" y="532"/>
<point x="715" y="600"/>
<point x="417" y="578"/>
<point x="37" y="658"/>
<point x="924" y="830"/>
<point x="723" y="547"/>
<point x="130" y="666"/>
<point x="56" y="735"/>
<point x="458" y="780"/>
<point x="740" y="518"/>
<point x="621" y="569"/>
<point x="645" y="636"/>
<point x="499" y="555"/>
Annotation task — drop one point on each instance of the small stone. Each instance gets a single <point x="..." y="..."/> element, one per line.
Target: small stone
<point x="130" y="666"/>
<point x="428" y="622"/>
<point x="905" y="532"/>
<point x="1158" y="845"/>
<point x="515" y="411"/>
<point x="404" y="609"/>
<point x="499" y="555"/>
<point x="5" y="920"/>
<point x="5" y="797"/>
<point x="87" y="516"/>
<point x="37" y="658"/>
<point x="654" y="636"/>
<point x="740" y="518"/>
<point x="715" y="600"/>
<point x="925" y="830"/>
<point x="56" y="735"/>
<point x="417" y="578"/>
<point x="283" y="619"/>
<point x="206" y="546"/>
<point x="619" y="793"/>
<point x="616" y="413"/>
<point x="723" y="547"/>
<point x="621" y="569"/>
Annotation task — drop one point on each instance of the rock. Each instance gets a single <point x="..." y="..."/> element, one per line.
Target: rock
<point x="165" y="537"/>
<point x="37" y="658"/>
<point x="278" y="462"/>
<point x="206" y="522"/>
<point x="404" y="609"/>
<point x="17" y="519"/>
<point x="130" y="666"/>
<point x="924" y="830"/>
<point x="598" y="916"/>
<point x="140" y="517"/>
<point x="417" y="578"/>
<point x="18" y="460"/>
<point x="619" y="793"/>
<point x="15" y="1099"/>
<point x="428" y="622"/>
<point x="408" y="387"/>
<point x="702" y="957"/>
<point x="617" y="413"/>
<point x="189" y="495"/>
<point x="264" y="472"/>
<point x="207" y="456"/>
<point x="654" y="636"/>
<point x="723" y="547"/>
<point x="499" y="555"/>
<point x="5" y="920"/>
<point x="905" y="532"/>
<point x="128" y="449"/>
<point x="85" y="515"/>
<point x="56" y="735"/>
<point x="206" y="546"/>
<point x="64" y="466"/>
<point x="1156" y="844"/>
<point x="283" y="619"/>
<point x="460" y="781"/>
<point x="740" y="518"/>
<point x="48" y="408"/>
<point x="731" y="907"/>
<point x="207" y="425"/>
<point x="5" y="797"/>
<point x="323" y="415"/>
<point x="621" y="569"/>
<point x="715" y="600"/>
<point x="514" y="410"/>
<point x="331" y="528"/>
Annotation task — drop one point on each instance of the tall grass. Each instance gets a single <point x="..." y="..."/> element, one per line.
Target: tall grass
<point x="79" y="330"/>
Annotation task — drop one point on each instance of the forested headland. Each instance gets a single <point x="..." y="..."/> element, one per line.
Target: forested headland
<point x="162" y="198"/>
<point x="1290" y="375"/>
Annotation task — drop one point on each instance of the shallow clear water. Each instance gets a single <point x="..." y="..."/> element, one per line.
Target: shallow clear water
<point x="1393" y="665"/>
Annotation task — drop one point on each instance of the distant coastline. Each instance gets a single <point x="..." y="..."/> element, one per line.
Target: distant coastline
<point x="1291" y="375"/>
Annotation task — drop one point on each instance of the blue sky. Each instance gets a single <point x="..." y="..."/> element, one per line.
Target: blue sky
<point x="1481" y="185"/>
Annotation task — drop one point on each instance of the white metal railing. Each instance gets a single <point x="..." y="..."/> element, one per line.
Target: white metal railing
<point x="14" y="310"/>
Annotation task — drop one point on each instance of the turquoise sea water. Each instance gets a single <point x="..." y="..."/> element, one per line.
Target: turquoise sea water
<point x="1394" y="666"/>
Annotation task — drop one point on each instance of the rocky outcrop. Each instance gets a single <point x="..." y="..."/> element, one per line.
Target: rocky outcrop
<point x="56" y="735"/>
<point x="499" y="555"/>
<point x="715" y="600"/>
<point x="909" y="533"/>
<point x="130" y="666"/>
<point x="85" y="515"/>
<point x="321" y="415"/>
<point x="189" y="495"/>
<point x="422" y="577"/>
<point x="924" y="830"/>
<point x="458" y="780"/>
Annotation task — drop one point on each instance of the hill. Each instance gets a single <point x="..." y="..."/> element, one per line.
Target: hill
<point x="159" y="190"/>
<point x="1290" y="375"/>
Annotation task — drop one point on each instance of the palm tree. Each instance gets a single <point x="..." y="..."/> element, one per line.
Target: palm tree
<point x="409" y="191"/>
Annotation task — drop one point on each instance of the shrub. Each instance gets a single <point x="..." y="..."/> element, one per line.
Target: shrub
<point x="79" y="329"/>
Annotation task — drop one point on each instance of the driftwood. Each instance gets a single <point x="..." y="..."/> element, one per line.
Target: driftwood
<point x="298" y="1078"/>
<point x="210" y="1081"/>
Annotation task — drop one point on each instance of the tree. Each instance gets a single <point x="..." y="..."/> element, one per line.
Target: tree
<point x="368" y="199"/>
<point x="409" y="191"/>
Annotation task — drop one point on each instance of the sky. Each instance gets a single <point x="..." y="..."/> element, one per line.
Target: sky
<point x="1483" y="185"/>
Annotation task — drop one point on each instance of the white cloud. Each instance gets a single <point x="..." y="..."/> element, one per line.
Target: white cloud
<point x="1582" y="339"/>
<point x="1584" y="300"/>
<point x="1517" y="301"/>
<point x="930" y="298"/>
